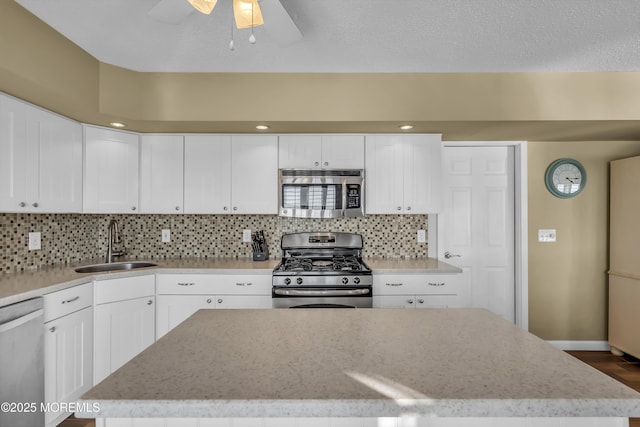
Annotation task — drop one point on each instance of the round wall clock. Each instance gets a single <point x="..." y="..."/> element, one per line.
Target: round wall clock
<point x="565" y="178"/>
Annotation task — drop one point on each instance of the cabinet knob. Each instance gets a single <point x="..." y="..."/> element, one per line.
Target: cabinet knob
<point x="408" y="208"/>
<point x="22" y="204"/>
<point x="399" y="208"/>
<point x="149" y="302"/>
<point x="219" y="300"/>
<point x="208" y="300"/>
<point x="177" y="208"/>
<point x="326" y="163"/>
<point x="133" y="208"/>
<point x="225" y="208"/>
<point x="317" y="163"/>
<point x="410" y="300"/>
<point x="421" y="301"/>
<point x="235" y="208"/>
<point x="35" y="205"/>
<point x="52" y="329"/>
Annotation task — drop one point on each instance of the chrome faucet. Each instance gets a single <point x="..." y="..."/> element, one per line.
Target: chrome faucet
<point x="113" y="237"/>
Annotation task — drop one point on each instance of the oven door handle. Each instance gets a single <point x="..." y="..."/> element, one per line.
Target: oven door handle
<point x="321" y="293"/>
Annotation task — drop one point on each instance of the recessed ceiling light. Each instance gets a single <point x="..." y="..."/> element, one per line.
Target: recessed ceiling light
<point x="262" y="127"/>
<point x="406" y="127"/>
<point x="118" y="124"/>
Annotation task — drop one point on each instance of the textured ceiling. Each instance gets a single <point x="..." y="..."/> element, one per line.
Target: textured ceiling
<point x="362" y="36"/>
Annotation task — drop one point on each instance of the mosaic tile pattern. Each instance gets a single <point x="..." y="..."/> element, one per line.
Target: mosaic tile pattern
<point x="68" y="238"/>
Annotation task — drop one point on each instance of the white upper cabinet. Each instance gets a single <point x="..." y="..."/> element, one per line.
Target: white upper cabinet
<point x="254" y="174"/>
<point x="321" y="151"/>
<point x="40" y="160"/>
<point x="403" y="174"/>
<point x="161" y="174"/>
<point x="111" y="171"/>
<point x="207" y="174"/>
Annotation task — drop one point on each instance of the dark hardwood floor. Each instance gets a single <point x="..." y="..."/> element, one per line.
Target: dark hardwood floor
<point x="625" y="369"/>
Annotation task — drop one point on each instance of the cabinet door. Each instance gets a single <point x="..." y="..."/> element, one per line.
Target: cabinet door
<point x="111" y="171"/>
<point x="300" y="151"/>
<point x="384" y="177"/>
<point x="422" y="168"/>
<point x="161" y="174"/>
<point x="175" y="309"/>
<point x="207" y="174"/>
<point x="13" y="138"/>
<point x="243" y="301"/>
<point x="122" y="330"/>
<point x="343" y="151"/>
<point x="54" y="163"/>
<point x="68" y="348"/>
<point x="254" y="174"/>
<point x="394" y="301"/>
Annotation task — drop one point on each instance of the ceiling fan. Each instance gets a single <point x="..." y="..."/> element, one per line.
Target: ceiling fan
<point x="277" y="23"/>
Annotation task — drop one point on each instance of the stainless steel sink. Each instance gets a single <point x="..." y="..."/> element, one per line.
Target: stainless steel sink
<point x="114" y="266"/>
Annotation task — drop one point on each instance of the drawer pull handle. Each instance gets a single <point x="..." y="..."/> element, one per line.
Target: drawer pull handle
<point x="393" y="284"/>
<point x="208" y="300"/>
<point x="436" y="283"/>
<point x="52" y="329"/>
<point x="186" y="283"/>
<point x="149" y="302"/>
<point x="76" y="298"/>
<point x="220" y="301"/>
<point x="244" y="284"/>
<point x="421" y="301"/>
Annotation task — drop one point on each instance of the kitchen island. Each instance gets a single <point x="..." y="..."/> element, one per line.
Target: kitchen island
<point x="466" y="366"/>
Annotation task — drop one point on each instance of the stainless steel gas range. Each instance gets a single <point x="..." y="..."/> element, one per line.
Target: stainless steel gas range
<point x="322" y="270"/>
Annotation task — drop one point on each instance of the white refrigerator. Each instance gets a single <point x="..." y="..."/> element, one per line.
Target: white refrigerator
<point x="624" y="257"/>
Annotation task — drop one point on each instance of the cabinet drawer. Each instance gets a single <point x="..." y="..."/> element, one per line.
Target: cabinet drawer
<point x="125" y="288"/>
<point x="243" y="301"/>
<point x="217" y="284"/>
<point x="417" y="284"/>
<point x="61" y="303"/>
<point x="417" y="301"/>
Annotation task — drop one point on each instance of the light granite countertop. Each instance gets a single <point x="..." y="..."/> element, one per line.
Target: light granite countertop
<point x="359" y="363"/>
<point x="16" y="287"/>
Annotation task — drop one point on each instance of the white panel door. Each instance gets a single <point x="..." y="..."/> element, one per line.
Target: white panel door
<point x="476" y="225"/>
<point x="68" y="346"/>
<point x="161" y="174"/>
<point x="111" y="171"/>
<point x="122" y="330"/>
<point x="343" y="151"/>
<point x="13" y="139"/>
<point x="299" y="151"/>
<point x="384" y="177"/>
<point x="254" y="174"/>
<point x="207" y="174"/>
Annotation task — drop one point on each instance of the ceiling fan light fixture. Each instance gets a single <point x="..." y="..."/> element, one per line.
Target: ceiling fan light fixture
<point x="247" y="13"/>
<point x="203" y="6"/>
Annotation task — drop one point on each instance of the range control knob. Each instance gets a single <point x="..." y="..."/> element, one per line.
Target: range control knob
<point x="345" y="280"/>
<point x="299" y="280"/>
<point x="287" y="281"/>
<point x="356" y="280"/>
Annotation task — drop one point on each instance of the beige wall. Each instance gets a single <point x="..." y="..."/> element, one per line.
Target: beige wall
<point x="567" y="283"/>
<point x="567" y="279"/>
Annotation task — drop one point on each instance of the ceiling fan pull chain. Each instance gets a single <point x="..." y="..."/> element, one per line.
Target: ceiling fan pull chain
<point x="252" y="38"/>
<point x="231" y="46"/>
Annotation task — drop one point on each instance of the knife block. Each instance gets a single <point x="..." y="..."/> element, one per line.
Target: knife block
<point x="261" y="256"/>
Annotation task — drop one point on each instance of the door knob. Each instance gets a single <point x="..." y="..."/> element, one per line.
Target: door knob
<point x="448" y="255"/>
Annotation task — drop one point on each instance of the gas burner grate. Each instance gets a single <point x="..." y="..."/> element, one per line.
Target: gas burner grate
<point x="298" y="264"/>
<point x="346" y="263"/>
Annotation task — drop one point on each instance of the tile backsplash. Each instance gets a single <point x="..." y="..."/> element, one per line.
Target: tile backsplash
<point x="69" y="238"/>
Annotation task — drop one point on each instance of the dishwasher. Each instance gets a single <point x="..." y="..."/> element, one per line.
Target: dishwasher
<point x="22" y="364"/>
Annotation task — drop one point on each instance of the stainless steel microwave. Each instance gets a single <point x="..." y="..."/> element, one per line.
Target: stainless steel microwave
<point x="321" y="193"/>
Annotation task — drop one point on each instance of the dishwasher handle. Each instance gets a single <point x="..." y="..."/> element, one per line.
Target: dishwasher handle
<point x="11" y="324"/>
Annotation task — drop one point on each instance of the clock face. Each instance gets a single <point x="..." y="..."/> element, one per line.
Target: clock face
<point x="565" y="178"/>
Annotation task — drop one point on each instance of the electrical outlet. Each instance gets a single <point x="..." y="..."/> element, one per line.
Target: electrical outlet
<point x="547" y="235"/>
<point x="34" y="241"/>
<point x="166" y="235"/>
<point x="422" y="236"/>
<point x="246" y="235"/>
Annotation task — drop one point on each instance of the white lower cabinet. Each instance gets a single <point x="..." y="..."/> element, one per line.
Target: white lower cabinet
<point x="181" y="295"/>
<point x="124" y="321"/>
<point x="419" y="290"/>
<point x="68" y="348"/>
<point x="261" y="422"/>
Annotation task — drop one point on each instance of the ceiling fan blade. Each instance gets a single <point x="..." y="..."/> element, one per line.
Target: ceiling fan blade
<point x="171" y="11"/>
<point x="278" y="24"/>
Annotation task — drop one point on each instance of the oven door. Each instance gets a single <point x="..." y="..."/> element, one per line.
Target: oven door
<point x="299" y="297"/>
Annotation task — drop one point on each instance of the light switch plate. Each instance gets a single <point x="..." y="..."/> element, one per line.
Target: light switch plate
<point x="547" y="235"/>
<point x="246" y="235"/>
<point x="166" y="236"/>
<point x="34" y="241"/>
<point x="422" y="236"/>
